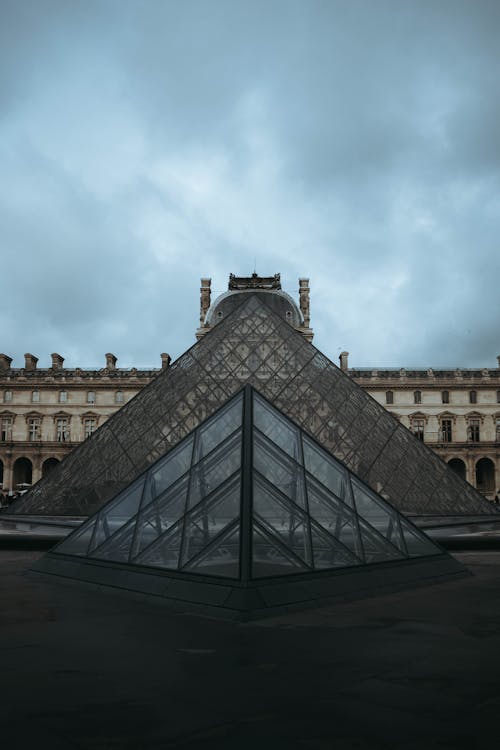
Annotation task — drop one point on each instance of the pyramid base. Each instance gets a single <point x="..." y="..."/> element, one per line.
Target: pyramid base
<point x="256" y="599"/>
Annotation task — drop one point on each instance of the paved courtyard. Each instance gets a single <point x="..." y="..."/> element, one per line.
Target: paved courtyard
<point x="95" y="669"/>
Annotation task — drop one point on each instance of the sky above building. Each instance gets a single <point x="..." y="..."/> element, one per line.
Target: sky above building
<point x="144" y="144"/>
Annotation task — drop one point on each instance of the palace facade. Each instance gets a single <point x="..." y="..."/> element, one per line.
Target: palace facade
<point x="46" y="412"/>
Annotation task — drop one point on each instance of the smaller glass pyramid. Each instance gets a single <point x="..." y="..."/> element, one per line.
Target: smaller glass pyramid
<point x="247" y="496"/>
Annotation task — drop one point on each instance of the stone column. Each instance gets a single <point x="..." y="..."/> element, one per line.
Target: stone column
<point x="7" y="472"/>
<point x="470" y="474"/>
<point x="36" y="467"/>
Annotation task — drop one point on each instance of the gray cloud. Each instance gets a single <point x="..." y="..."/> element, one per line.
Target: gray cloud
<point x="143" y="145"/>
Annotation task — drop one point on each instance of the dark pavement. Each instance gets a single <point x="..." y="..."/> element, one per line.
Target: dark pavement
<point x="94" y="669"/>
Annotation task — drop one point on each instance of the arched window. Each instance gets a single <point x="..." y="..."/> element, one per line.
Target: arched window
<point x="23" y="469"/>
<point x="6" y="422"/>
<point x="446" y="430"/>
<point x="458" y="466"/>
<point x="418" y="426"/>
<point x="89" y="425"/>
<point x="473" y="397"/>
<point x="389" y="397"/>
<point x="485" y="476"/>
<point x="445" y="397"/>
<point x="119" y="399"/>
<point x="48" y="465"/>
<point x="417" y="397"/>
<point x="473" y="429"/>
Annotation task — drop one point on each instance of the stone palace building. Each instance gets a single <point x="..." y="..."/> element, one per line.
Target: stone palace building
<point x="46" y="411"/>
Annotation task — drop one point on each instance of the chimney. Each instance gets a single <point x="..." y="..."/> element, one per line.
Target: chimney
<point x="57" y="361"/>
<point x="5" y="362"/>
<point x="165" y="360"/>
<point x="343" y="361"/>
<point x="205" y="293"/>
<point x="111" y="361"/>
<point x="30" y="361"/>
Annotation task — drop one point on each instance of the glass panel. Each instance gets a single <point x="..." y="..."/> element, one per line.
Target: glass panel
<point x="209" y="518"/>
<point x="78" y="542"/>
<point x="277" y="428"/>
<point x="269" y="559"/>
<point x="166" y="471"/>
<point x="160" y="515"/>
<point x="118" y="512"/>
<point x="100" y="536"/>
<point x="279" y="469"/>
<point x="328" y="554"/>
<point x="336" y="517"/>
<point x="117" y="548"/>
<point x="165" y="552"/>
<point x="215" y="469"/>
<point x="417" y="543"/>
<point x="222" y="559"/>
<point x="379" y="515"/>
<point x="283" y="518"/>
<point x="376" y="548"/>
<point x="219" y="428"/>
<point x="325" y="469"/>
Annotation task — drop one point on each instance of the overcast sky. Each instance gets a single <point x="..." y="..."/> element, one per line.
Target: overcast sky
<point x="147" y="143"/>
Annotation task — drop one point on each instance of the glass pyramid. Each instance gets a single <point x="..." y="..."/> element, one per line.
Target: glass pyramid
<point x="247" y="495"/>
<point x="254" y="346"/>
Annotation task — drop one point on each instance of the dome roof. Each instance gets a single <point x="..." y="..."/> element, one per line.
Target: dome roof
<point x="280" y="302"/>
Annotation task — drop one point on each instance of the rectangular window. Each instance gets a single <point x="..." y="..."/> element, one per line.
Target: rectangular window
<point x="89" y="426"/>
<point x="62" y="430"/>
<point x="34" y="428"/>
<point x="63" y="397"/>
<point x="35" y="397"/>
<point x="445" y="397"/>
<point x="119" y="397"/>
<point x="7" y="397"/>
<point x="91" y="397"/>
<point x="446" y="431"/>
<point x="6" y="429"/>
<point x="473" y="430"/>
<point x="473" y="397"/>
<point x="417" y="397"/>
<point x="417" y="427"/>
<point x="497" y="430"/>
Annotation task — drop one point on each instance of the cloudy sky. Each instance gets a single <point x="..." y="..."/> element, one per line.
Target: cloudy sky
<point x="146" y="143"/>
